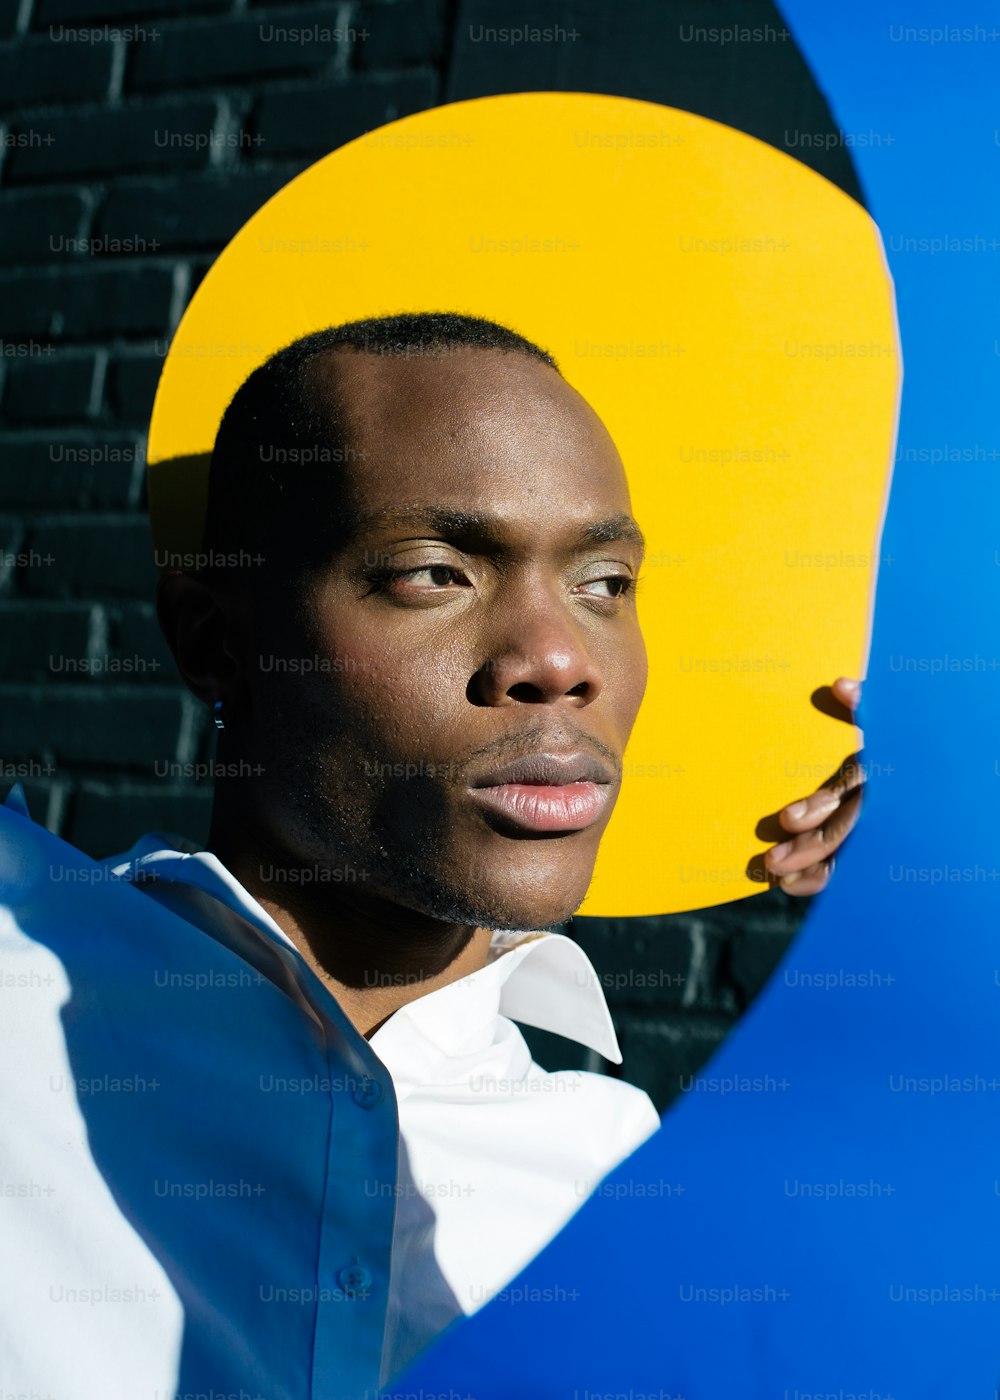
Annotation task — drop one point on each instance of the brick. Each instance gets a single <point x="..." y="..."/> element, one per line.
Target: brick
<point x="56" y="389"/>
<point x="38" y="635"/>
<point x="243" y="47"/>
<point x="116" y="726"/>
<point x="10" y="11"/>
<point x="86" y="303"/>
<point x="195" y="211"/>
<point x="109" y="140"/>
<point x="759" y="930"/>
<point x="107" y="819"/>
<point x="556" y="1052"/>
<point x="137" y="637"/>
<point x="40" y="225"/>
<point x="132" y="382"/>
<point x="11" y="558"/>
<point x="661" y="1054"/>
<point x="754" y="958"/>
<point x="103" y="557"/>
<point x="98" y="470"/>
<point x="322" y="118"/>
<point x="15" y="350"/>
<point x="34" y="71"/>
<point x="409" y="33"/>
<point x="197" y="269"/>
<point x="80" y="13"/>
<point x="666" y="960"/>
<point x="773" y="911"/>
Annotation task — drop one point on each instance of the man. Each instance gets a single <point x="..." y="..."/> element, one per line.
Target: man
<point x="424" y="686"/>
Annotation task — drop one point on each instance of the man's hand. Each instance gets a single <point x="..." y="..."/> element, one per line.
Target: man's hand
<point x="819" y="823"/>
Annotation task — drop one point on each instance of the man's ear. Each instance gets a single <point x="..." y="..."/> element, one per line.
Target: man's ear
<point x="198" y="619"/>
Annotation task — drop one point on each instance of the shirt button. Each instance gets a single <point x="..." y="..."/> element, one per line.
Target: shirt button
<point x="367" y="1093"/>
<point x="354" y="1279"/>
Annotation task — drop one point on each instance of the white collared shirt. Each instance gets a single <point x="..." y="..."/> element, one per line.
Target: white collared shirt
<point x="310" y="1208"/>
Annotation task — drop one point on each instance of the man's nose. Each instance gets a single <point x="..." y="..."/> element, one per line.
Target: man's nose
<point x="541" y="658"/>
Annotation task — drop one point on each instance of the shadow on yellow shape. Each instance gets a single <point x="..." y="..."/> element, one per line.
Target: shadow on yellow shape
<point x="728" y="313"/>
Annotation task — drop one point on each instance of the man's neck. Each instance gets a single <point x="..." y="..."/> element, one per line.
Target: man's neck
<point x="372" y="955"/>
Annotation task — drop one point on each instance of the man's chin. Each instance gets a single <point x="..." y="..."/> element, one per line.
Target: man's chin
<point x="535" y="884"/>
<point x="489" y="884"/>
<point x="479" y="910"/>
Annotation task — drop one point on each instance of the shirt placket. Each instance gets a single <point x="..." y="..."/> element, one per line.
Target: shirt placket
<point x="357" y="1222"/>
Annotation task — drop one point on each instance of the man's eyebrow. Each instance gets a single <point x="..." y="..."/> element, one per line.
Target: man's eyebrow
<point x="442" y="518"/>
<point x="484" y="525"/>
<point x="616" y="527"/>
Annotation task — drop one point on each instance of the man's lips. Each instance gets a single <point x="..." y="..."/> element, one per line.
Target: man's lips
<point x="538" y="807"/>
<point x="546" y="791"/>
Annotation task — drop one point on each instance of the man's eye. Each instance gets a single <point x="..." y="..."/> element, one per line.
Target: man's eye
<point x="440" y="575"/>
<point x="620" y="584"/>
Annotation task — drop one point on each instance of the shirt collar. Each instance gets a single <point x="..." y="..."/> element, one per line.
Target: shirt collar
<point x="540" y="979"/>
<point x="181" y="862"/>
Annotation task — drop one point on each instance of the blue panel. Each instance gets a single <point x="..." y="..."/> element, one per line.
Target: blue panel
<point x="821" y="1217"/>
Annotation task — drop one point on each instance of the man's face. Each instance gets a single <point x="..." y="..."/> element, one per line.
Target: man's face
<point x="465" y="623"/>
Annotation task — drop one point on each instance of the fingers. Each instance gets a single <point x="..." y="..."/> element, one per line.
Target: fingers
<point x="819" y="824"/>
<point x="818" y="843"/>
<point x="809" y="881"/>
<point x="847" y="691"/>
<point x="809" y="812"/>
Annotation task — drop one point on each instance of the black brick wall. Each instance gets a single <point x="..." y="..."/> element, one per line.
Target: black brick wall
<point x="136" y="136"/>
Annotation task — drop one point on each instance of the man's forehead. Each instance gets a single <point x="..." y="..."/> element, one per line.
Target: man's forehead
<point x="533" y="451"/>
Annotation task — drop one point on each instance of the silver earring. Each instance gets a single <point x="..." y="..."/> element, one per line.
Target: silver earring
<point x="220" y="723"/>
